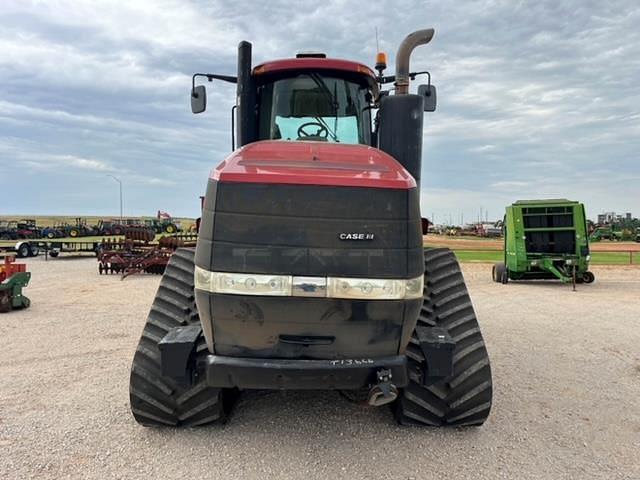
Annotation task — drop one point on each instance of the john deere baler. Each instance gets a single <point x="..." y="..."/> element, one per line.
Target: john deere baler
<point x="545" y="239"/>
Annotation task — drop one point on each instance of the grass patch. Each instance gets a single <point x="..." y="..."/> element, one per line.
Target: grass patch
<point x="614" y="258"/>
<point x="476" y="256"/>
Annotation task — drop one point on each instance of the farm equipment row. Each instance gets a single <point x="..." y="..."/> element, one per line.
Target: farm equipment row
<point x="14" y="230"/>
<point x="136" y="253"/>
<point x="28" y="229"/>
<point x="486" y="230"/>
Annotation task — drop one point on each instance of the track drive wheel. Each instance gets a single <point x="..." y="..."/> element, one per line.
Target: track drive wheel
<point x="588" y="277"/>
<point x="158" y="400"/>
<point x="464" y="399"/>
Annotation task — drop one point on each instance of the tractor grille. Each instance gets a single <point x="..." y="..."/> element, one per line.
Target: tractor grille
<point x="311" y="230"/>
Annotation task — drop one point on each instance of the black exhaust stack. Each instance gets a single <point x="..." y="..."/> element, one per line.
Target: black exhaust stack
<point x="401" y="115"/>
<point x="246" y="124"/>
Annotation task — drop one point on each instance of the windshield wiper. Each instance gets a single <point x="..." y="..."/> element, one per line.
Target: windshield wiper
<point x="322" y="122"/>
<point x="323" y="87"/>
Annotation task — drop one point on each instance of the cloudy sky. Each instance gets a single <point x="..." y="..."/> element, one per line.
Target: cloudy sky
<point x="536" y="98"/>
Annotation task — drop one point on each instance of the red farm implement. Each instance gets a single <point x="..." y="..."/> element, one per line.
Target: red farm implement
<point x="138" y="253"/>
<point x="13" y="278"/>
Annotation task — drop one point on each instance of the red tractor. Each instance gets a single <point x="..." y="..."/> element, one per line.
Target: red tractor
<point x="309" y="270"/>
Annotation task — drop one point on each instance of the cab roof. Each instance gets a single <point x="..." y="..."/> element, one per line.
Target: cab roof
<point x="315" y="63"/>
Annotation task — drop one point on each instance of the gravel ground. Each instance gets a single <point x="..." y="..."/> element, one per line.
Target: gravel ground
<point x="566" y="377"/>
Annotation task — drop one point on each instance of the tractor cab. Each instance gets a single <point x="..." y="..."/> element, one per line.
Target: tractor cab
<point x="315" y="99"/>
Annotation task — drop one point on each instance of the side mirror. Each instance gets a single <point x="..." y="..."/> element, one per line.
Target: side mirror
<point x="428" y="92"/>
<point x="425" y="226"/>
<point x="199" y="99"/>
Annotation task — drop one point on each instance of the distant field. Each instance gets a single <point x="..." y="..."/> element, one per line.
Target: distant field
<point x="467" y="249"/>
<point x="484" y="244"/>
<point x="483" y="250"/>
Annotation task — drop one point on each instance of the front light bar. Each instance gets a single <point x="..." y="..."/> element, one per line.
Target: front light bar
<point x="319" y="287"/>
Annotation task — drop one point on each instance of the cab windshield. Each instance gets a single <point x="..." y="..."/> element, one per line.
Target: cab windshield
<point x="315" y="107"/>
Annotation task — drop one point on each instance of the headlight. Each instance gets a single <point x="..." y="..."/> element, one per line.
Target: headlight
<point x="365" y="288"/>
<point x="414" y="287"/>
<point x="252" y="284"/>
<point x="287" y="285"/>
<point x="203" y="279"/>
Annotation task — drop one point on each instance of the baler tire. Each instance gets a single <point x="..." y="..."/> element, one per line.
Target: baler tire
<point x="464" y="399"/>
<point x="499" y="273"/>
<point x="157" y="400"/>
<point x="588" y="277"/>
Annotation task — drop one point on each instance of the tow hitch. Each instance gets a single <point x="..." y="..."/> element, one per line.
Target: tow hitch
<point x="384" y="391"/>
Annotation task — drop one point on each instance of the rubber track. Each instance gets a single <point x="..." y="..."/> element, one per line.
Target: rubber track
<point x="157" y="400"/>
<point x="464" y="399"/>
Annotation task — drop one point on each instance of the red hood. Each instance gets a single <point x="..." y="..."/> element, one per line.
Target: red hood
<point x="313" y="163"/>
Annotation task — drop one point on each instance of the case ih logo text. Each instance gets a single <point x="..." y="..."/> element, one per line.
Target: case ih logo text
<point x="356" y="236"/>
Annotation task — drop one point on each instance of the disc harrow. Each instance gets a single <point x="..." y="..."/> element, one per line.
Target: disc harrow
<point x="138" y="253"/>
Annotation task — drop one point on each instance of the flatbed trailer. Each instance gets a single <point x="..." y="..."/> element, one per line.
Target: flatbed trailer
<point x="19" y="248"/>
<point x="50" y="247"/>
<point x="53" y="247"/>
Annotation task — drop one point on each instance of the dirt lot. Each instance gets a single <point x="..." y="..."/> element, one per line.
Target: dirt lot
<point x="566" y="374"/>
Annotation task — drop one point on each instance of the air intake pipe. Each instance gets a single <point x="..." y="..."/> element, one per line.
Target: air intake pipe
<point x="410" y="42"/>
<point x="401" y="115"/>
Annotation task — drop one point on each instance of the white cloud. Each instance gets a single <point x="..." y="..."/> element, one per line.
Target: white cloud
<point x="534" y="97"/>
<point x="78" y="162"/>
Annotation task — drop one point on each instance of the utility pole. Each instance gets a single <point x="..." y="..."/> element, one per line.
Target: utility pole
<point x="120" y="184"/>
